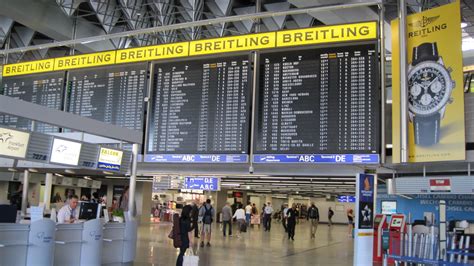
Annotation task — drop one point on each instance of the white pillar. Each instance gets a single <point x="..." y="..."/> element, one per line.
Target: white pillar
<point x="133" y="181"/>
<point x="48" y="187"/>
<point x="24" y="200"/>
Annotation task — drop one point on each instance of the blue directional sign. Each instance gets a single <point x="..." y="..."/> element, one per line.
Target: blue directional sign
<point x="318" y="158"/>
<point x="202" y="183"/>
<point x="196" y="158"/>
<point x="346" y="199"/>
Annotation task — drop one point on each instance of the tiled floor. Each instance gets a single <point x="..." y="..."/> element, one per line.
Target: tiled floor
<point x="331" y="246"/>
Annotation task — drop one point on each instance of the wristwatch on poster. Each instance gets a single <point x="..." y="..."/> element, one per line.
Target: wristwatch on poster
<point x="430" y="87"/>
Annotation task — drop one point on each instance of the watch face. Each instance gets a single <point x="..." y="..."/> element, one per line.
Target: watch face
<point x="429" y="87"/>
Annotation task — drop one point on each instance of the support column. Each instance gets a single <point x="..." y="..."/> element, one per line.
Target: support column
<point x="133" y="181"/>
<point x="24" y="200"/>
<point x="48" y="186"/>
<point x="403" y="83"/>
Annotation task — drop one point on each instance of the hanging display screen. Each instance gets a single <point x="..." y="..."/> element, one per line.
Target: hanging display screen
<point x="114" y="95"/>
<point x="200" y="111"/>
<point x="319" y="105"/>
<point x="44" y="89"/>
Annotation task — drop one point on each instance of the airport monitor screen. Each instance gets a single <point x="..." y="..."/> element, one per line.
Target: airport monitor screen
<point x="88" y="211"/>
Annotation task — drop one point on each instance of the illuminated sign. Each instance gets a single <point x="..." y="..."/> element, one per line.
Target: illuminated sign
<point x="13" y="143"/>
<point x="346" y="199"/>
<point x="202" y="183"/>
<point x="110" y="159"/>
<point x="327" y="34"/>
<point x="316" y="35"/>
<point x="148" y="53"/>
<point x="65" y="152"/>
<point x="233" y="44"/>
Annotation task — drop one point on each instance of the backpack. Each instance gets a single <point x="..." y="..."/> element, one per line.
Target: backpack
<point x="207" y="219"/>
<point x="175" y="233"/>
<point x="313" y="213"/>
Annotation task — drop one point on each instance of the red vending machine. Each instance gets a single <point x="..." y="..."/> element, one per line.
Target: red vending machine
<point x="380" y="224"/>
<point x="397" y="229"/>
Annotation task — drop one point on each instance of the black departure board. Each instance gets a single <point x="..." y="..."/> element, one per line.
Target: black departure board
<point x="200" y="108"/>
<point x="317" y="102"/>
<point x="43" y="89"/>
<point x="114" y="95"/>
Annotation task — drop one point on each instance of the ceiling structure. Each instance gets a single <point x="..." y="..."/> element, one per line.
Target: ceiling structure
<point x="26" y="23"/>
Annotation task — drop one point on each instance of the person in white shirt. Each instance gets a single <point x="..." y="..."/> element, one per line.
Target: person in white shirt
<point x="248" y="213"/>
<point x="267" y="218"/>
<point x="240" y="216"/>
<point x="69" y="213"/>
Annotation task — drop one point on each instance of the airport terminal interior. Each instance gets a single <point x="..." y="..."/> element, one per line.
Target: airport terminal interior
<point x="236" y="132"/>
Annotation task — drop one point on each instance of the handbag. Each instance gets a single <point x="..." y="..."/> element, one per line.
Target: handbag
<point x="190" y="259"/>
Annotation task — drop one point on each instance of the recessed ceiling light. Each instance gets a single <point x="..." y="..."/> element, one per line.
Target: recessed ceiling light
<point x="33" y="170"/>
<point x="463" y="25"/>
<point x="248" y="187"/>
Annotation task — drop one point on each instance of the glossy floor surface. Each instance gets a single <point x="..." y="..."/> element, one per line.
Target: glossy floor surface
<point x="332" y="246"/>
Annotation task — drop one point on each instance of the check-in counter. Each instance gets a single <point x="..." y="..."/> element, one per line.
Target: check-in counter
<point x="13" y="244"/>
<point x="79" y="244"/>
<point x="45" y="243"/>
<point x="23" y="244"/>
<point x="120" y="240"/>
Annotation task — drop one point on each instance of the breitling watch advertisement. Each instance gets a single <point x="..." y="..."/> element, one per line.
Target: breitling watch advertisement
<point x="435" y="86"/>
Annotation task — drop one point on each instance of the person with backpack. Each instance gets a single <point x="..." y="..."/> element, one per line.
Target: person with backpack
<point x="330" y="215"/>
<point x="206" y="213"/>
<point x="181" y="227"/>
<point x="313" y="215"/>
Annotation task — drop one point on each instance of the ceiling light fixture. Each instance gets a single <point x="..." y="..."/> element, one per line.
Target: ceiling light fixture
<point x="463" y="25"/>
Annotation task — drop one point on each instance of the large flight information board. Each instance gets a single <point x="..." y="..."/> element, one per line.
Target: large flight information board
<point x="114" y="95"/>
<point x="319" y="105"/>
<point x="200" y="111"/>
<point x="43" y="89"/>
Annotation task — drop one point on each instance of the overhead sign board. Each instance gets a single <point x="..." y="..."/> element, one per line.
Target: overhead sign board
<point x="13" y="143"/>
<point x="346" y="198"/>
<point x="316" y="35"/>
<point x="202" y="183"/>
<point x="65" y="152"/>
<point x="110" y="159"/>
<point x="318" y="158"/>
<point x="440" y="185"/>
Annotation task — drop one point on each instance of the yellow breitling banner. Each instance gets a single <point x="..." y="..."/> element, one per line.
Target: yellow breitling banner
<point x="259" y="41"/>
<point x="435" y="86"/>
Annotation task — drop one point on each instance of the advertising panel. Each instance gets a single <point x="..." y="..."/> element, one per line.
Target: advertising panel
<point x="435" y="86"/>
<point x="110" y="159"/>
<point x="13" y="143"/>
<point x="366" y="201"/>
<point x="65" y="152"/>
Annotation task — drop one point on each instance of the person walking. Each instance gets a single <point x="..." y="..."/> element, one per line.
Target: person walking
<point x="330" y="215"/>
<point x="291" y="221"/>
<point x="313" y="215"/>
<point x="248" y="213"/>
<point x="240" y="216"/>
<point x="227" y="218"/>
<point x="267" y="218"/>
<point x="185" y="226"/>
<point x="350" y="218"/>
<point x="284" y="216"/>
<point x="206" y="212"/>
<point x="195" y="219"/>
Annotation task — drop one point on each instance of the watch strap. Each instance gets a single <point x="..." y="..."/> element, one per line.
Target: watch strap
<point x="427" y="129"/>
<point x="427" y="51"/>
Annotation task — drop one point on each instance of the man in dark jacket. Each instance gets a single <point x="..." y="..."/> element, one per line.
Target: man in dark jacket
<point x="313" y="215"/>
<point x="195" y="218"/>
